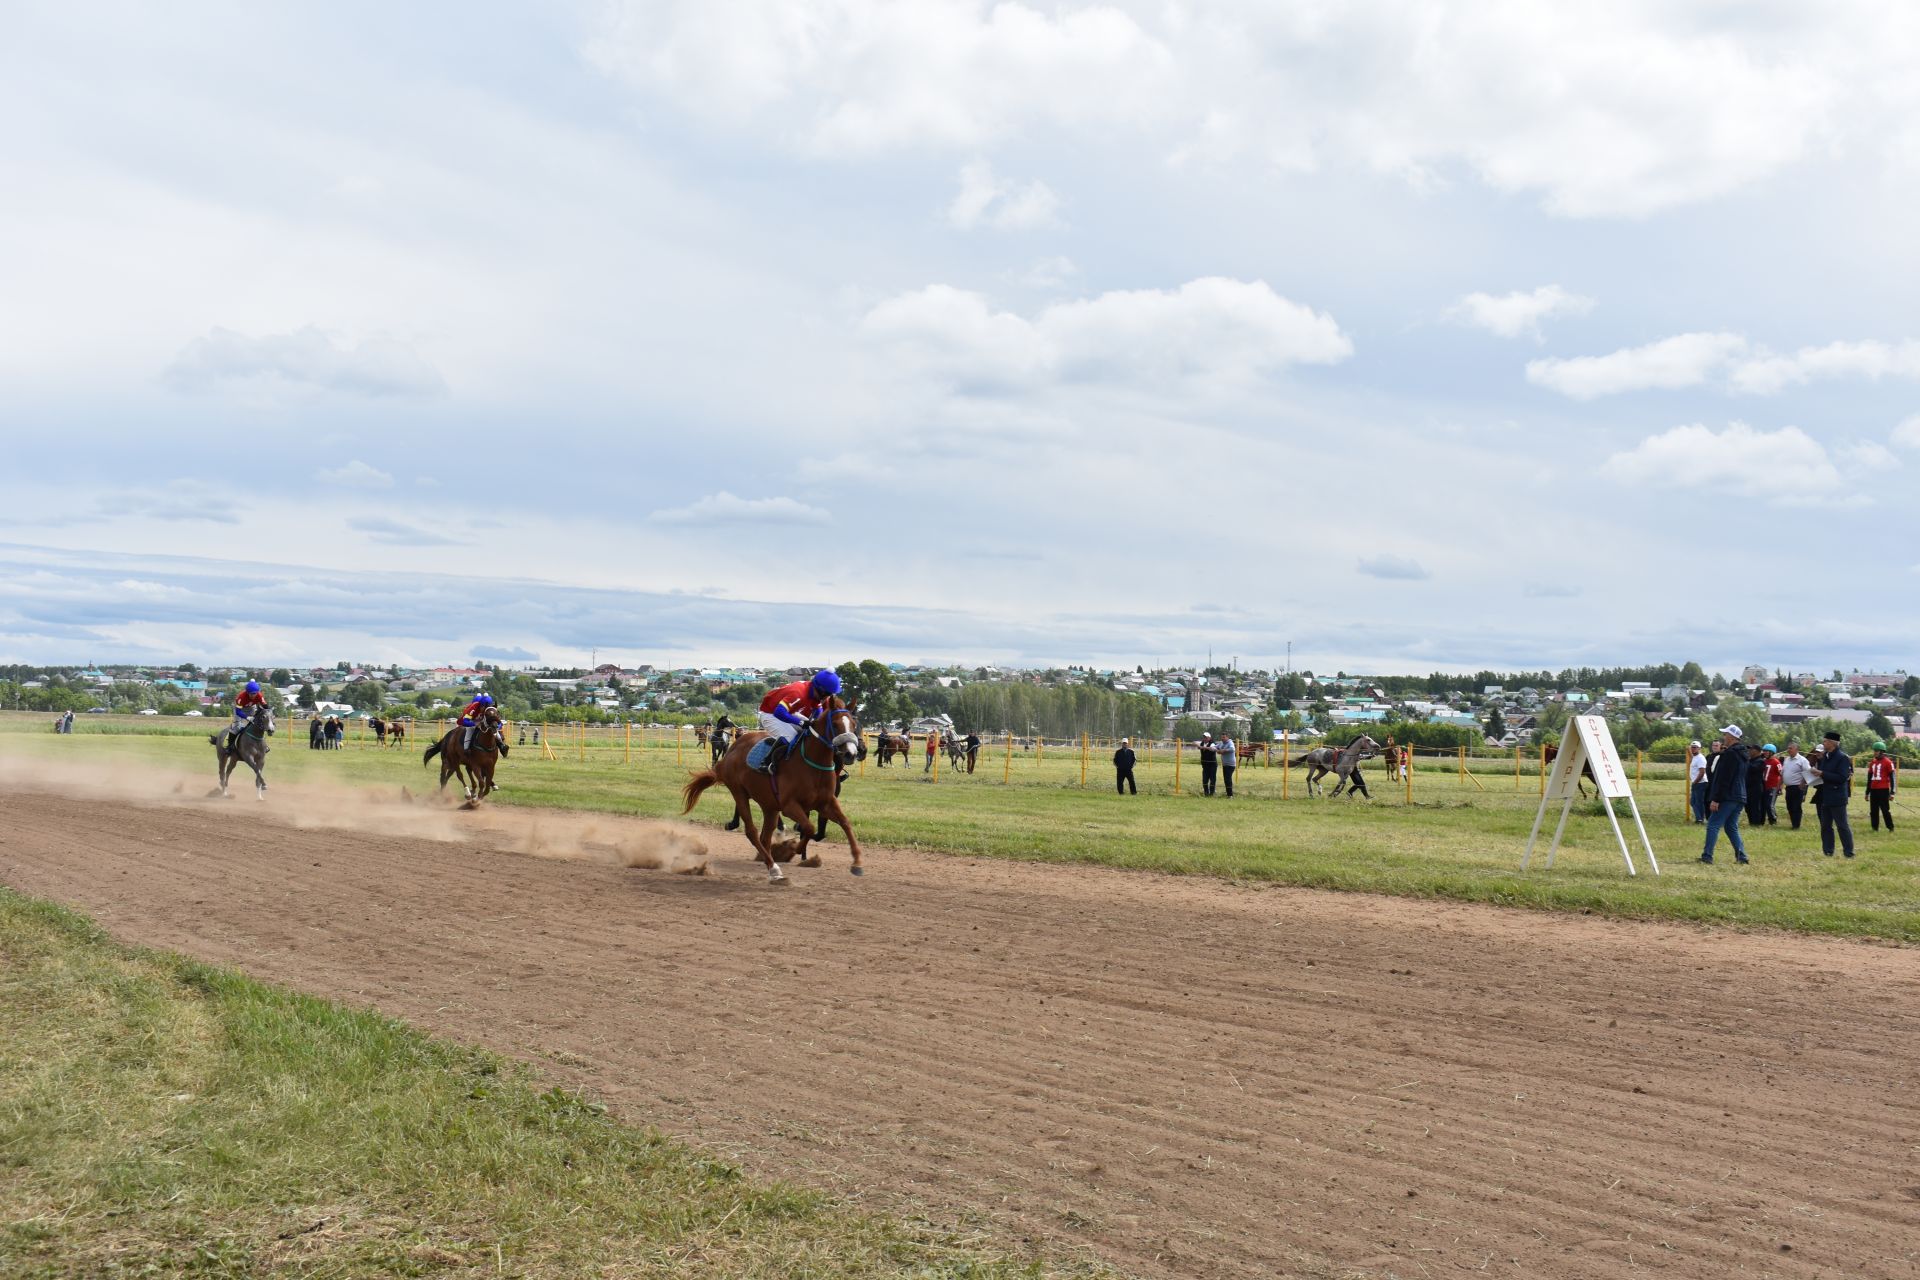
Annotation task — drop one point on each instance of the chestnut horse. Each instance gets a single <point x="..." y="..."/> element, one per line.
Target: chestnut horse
<point x="473" y="765"/>
<point x="890" y="745"/>
<point x="804" y="784"/>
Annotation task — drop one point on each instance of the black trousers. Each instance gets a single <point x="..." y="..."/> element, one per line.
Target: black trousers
<point x="1833" y="818"/>
<point x="1123" y="782"/>
<point x="1209" y="771"/>
<point x="1227" y="771"/>
<point x="1795" y="795"/>
<point x="1880" y="804"/>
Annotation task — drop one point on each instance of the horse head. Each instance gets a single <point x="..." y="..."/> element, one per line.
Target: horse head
<point x="262" y="721"/>
<point x="842" y="733"/>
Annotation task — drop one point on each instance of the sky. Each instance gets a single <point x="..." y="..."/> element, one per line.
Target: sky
<point x="1392" y="336"/>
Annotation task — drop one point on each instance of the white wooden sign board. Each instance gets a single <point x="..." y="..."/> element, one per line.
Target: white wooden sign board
<point x="1588" y="741"/>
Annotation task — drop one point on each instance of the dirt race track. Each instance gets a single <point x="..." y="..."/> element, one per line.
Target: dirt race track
<point x="1183" y="1077"/>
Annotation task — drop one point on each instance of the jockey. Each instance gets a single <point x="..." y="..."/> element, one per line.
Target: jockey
<point x="470" y="717"/>
<point x="243" y="706"/>
<point x="787" y="709"/>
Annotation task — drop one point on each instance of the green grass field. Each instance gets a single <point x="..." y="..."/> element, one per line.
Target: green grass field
<point x="1456" y="839"/>
<point x="160" y="1117"/>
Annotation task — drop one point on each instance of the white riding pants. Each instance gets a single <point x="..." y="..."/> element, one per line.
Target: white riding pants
<point x="779" y="728"/>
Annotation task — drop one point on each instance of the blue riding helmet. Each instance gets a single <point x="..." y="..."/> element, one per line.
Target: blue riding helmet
<point x="253" y="686"/>
<point x="825" y="684"/>
<point x="485" y="699"/>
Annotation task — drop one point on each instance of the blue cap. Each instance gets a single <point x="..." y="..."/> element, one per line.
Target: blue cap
<point x="826" y="682"/>
<point x="253" y="686"/>
<point x="1769" y="748"/>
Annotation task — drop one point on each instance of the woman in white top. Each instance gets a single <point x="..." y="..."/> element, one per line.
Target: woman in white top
<point x="1697" y="781"/>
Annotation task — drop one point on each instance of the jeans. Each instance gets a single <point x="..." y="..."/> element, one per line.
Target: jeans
<point x="1833" y="817"/>
<point x="1227" y="772"/>
<point x="1725" y="818"/>
<point x="1699" y="797"/>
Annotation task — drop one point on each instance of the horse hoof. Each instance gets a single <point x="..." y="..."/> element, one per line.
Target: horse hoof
<point x="859" y="871"/>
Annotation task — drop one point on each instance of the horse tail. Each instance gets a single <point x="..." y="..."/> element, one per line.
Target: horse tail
<point x="432" y="751"/>
<point x="696" y="787"/>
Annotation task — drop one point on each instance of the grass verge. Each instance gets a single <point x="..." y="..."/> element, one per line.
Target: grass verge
<point x="160" y="1117"/>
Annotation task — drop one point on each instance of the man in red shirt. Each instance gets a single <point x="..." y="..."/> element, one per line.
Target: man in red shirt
<point x="785" y="710"/>
<point x="1882" y="776"/>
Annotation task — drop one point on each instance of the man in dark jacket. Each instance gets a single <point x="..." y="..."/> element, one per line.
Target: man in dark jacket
<point x="1756" y="785"/>
<point x="1123" y="770"/>
<point x="1209" y="764"/>
<point x="1836" y="778"/>
<point x="1726" y="796"/>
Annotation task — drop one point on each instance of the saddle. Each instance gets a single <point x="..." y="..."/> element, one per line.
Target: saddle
<point x="759" y="753"/>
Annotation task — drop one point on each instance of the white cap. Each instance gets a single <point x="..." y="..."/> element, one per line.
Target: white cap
<point x="1695" y="742"/>
<point x="1733" y="731"/>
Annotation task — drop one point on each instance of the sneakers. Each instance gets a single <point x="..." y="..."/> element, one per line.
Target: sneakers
<point x="1742" y="859"/>
<point x="1707" y="858"/>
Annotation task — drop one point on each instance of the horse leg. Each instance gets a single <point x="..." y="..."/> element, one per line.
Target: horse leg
<point x="763" y="843"/>
<point x="833" y="810"/>
<point x="259" y="779"/>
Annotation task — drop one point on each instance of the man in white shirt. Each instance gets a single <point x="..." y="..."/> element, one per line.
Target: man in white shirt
<point x="1697" y="781"/>
<point x="1796" y="775"/>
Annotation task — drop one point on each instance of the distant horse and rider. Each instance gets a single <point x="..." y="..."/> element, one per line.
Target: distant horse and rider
<point x="469" y="753"/>
<point x="1342" y="762"/>
<point x="889" y="745"/>
<point x="803" y="787"/>
<point x="246" y="745"/>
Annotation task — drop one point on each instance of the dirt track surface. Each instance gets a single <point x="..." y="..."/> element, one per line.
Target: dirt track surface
<point x="1186" y="1077"/>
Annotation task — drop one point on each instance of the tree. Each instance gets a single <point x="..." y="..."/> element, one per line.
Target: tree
<point x="305" y="695"/>
<point x="1881" y="726"/>
<point x="367" y="695"/>
<point x="1187" y="729"/>
<point x="280" y="677"/>
<point x="1496" y="724"/>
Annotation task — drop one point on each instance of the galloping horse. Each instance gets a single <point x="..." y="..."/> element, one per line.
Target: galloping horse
<point x="246" y="746"/>
<point x="472" y="764"/>
<point x="804" y="784"/>
<point x="1341" y="762"/>
<point x="891" y="745"/>
<point x="700" y="732"/>
<point x="718" y="742"/>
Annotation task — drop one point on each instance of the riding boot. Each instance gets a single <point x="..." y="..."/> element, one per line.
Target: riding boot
<point x="775" y="754"/>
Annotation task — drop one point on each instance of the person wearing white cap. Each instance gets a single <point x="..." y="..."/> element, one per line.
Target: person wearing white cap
<point x="1697" y="780"/>
<point x="1209" y="764"/>
<point x="1123" y="769"/>
<point x="1727" y="797"/>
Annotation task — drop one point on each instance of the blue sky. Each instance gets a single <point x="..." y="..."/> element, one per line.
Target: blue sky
<point x="1418" y="335"/>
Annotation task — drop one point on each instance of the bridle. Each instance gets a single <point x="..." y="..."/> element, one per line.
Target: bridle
<point x="847" y="736"/>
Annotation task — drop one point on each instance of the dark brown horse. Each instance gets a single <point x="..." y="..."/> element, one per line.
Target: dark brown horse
<point x="804" y="784"/>
<point x="890" y="745"/>
<point x="471" y="761"/>
<point x="246" y="746"/>
<point x="1586" y="769"/>
<point x="396" y="733"/>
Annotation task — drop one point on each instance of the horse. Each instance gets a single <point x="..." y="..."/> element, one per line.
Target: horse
<point x="379" y="728"/>
<point x="805" y="783"/>
<point x="1342" y="761"/>
<point x="890" y="745"/>
<point x="956" y="751"/>
<point x="1586" y="770"/>
<point x="472" y="763"/>
<point x="396" y="733"/>
<point x="246" y="746"/>
<point x="718" y="742"/>
<point x="700" y="732"/>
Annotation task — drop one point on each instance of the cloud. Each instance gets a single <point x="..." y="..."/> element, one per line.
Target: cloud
<point x="1766" y="373"/>
<point x="986" y="200"/>
<point x="493" y="653"/>
<point x="1617" y="110"/>
<point x="1049" y="273"/>
<point x="357" y="475"/>
<point x="725" y="508"/>
<point x="1210" y="328"/>
<point x="1907" y="434"/>
<point x="1786" y="467"/>
<point x="1393" y="568"/>
<point x="177" y="500"/>
<point x="1686" y="360"/>
<point x="306" y="358"/>
<point x="397" y="534"/>
<point x="1514" y="315"/>
<point x="1549" y="591"/>
<point x="1867" y="458"/>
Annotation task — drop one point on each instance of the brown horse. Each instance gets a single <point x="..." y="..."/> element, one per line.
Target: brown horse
<point x="396" y="733"/>
<point x="1586" y="770"/>
<point x="804" y="784"/>
<point x="890" y="745"/>
<point x="471" y="763"/>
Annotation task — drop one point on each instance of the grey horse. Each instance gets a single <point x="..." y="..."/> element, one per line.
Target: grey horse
<point x="247" y="746"/>
<point x="1339" y="761"/>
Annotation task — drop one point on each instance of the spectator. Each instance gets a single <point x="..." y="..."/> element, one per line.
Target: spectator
<point x="1726" y="796"/>
<point x="1836" y="780"/>
<point x="1882" y="777"/>
<point x="1796" y="774"/>
<point x="523" y="735"/>
<point x="973" y="750"/>
<point x="933" y="744"/>
<point x="1697" y="780"/>
<point x="1229" y="753"/>
<point x="1772" y="781"/>
<point x="536" y="735"/>
<point x="1209" y="764"/>
<point x="1123" y="769"/>
<point x="1756" y="785"/>
<point x="314" y="731"/>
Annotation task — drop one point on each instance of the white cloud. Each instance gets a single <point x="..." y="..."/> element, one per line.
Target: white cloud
<point x="398" y="533"/>
<point x="985" y="199"/>
<point x="375" y="366"/>
<point x="1049" y="273"/>
<point x="1767" y="373"/>
<point x="1212" y="328"/>
<point x="1787" y="466"/>
<point x="1867" y="458"/>
<point x="1686" y="360"/>
<point x="175" y="501"/>
<point x="725" y="508"/>
<point x="1514" y="315"/>
<point x="357" y="475"/>
<point x="1907" y="434"/>
<point x="1393" y="568"/>
<point x="1609" y="110"/>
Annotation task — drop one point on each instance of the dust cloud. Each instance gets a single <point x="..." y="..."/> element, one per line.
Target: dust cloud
<point x="398" y="811"/>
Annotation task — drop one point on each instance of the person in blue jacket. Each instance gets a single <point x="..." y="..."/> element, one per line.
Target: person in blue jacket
<point x="1836" y="780"/>
<point x="1727" y="796"/>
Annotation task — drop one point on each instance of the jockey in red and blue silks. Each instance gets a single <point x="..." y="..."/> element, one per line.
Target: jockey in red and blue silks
<point x="470" y="717"/>
<point x="785" y="710"/>
<point x="250" y="697"/>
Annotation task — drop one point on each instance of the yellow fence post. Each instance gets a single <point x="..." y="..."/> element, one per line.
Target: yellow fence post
<point x="1639" y="756"/>
<point x="1543" y="768"/>
<point x="1463" y="762"/>
<point x="628" y="756"/>
<point x="1006" y="770"/>
<point x="1176" y="764"/>
<point x="1039" y="750"/>
<point x="1083" y="760"/>
<point x="933" y="755"/>
<point x="1516" y="767"/>
<point x="679" y="747"/>
<point x="1406" y="759"/>
<point x="581" y="738"/>
<point x="1286" y="772"/>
